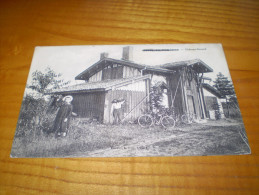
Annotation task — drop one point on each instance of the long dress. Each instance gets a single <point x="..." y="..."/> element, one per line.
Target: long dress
<point x="64" y="112"/>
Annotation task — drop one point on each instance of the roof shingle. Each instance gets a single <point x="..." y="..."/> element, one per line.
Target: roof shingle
<point x="97" y="86"/>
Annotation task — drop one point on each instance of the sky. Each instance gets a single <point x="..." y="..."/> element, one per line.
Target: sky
<point x="72" y="60"/>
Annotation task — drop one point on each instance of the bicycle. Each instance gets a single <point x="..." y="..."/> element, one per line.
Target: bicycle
<point x="188" y="118"/>
<point x="147" y="120"/>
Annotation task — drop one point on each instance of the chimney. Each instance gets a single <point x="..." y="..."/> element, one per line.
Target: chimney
<point x="127" y="53"/>
<point x="103" y="55"/>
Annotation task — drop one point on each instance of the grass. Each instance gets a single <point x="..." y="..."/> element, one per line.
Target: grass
<point x="99" y="140"/>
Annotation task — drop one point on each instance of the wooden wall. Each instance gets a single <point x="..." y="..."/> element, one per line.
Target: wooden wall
<point x="109" y="72"/>
<point x="132" y="97"/>
<point x="130" y="72"/>
<point x="185" y="91"/>
<point x="172" y="82"/>
<point x="112" y="72"/>
<point x="89" y="104"/>
<point x="192" y="90"/>
<point x="96" y="77"/>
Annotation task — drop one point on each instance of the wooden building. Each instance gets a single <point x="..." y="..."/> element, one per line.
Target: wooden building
<point x="110" y="79"/>
<point x="185" y="86"/>
<point x="94" y="99"/>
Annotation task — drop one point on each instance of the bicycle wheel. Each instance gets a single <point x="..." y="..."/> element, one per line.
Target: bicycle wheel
<point x="168" y="121"/>
<point x="186" y="119"/>
<point x="194" y="117"/>
<point x="145" y="121"/>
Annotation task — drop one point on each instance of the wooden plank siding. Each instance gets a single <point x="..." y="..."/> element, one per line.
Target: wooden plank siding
<point x="114" y="71"/>
<point x="130" y="72"/>
<point x="172" y="82"/>
<point x="133" y="94"/>
<point x="186" y="90"/>
<point x="96" y="77"/>
<point x="132" y="99"/>
<point x="192" y="92"/>
<point x="89" y="105"/>
<point x="111" y="72"/>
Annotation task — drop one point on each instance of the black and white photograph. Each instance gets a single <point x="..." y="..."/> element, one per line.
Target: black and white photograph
<point x="129" y="101"/>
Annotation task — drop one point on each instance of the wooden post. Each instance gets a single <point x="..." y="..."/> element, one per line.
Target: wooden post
<point x="184" y="95"/>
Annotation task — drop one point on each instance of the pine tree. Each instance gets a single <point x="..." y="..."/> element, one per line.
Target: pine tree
<point x="225" y="87"/>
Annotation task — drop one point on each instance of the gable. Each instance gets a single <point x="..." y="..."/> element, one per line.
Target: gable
<point x="114" y="71"/>
<point x="198" y="65"/>
<point x="131" y="69"/>
<point x="106" y="65"/>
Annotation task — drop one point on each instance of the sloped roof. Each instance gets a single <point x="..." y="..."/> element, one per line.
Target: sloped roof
<point x="197" y="64"/>
<point x="98" y="86"/>
<point x="98" y="66"/>
<point x="212" y="90"/>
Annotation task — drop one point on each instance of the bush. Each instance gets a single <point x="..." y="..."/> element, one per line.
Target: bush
<point x="32" y="115"/>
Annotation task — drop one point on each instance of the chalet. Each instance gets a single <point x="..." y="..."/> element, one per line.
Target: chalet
<point x="110" y="79"/>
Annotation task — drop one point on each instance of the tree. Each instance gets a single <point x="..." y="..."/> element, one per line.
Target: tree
<point x="34" y="104"/>
<point x="156" y="99"/>
<point x="225" y="87"/>
<point x="44" y="81"/>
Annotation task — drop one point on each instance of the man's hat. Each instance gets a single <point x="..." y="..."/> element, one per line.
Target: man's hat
<point x="114" y="101"/>
<point x="68" y="97"/>
<point x="121" y="100"/>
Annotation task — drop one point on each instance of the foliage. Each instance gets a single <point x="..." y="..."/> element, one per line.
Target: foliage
<point x="124" y="140"/>
<point x="232" y="109"/>
<point x="33" y="115"/>
<point x="156" y="99"/>
<point x="226" y="88"/>
<point x="216" y="107"/>
<point x="43" y="81"/>
<point x="156" y="104"/>
<point x="30" y="111"/>
<point x="224" y="85"/>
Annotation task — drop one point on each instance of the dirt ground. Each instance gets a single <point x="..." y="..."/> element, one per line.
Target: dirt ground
<point x="99" y="140"/>
<point x="211" y="138"/>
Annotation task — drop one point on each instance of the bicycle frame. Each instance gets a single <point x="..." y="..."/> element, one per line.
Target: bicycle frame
<point x="148" y="120"/>
<point x="156" y="120"/>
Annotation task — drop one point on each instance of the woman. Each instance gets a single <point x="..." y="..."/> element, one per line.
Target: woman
<point x="62" y="119"/>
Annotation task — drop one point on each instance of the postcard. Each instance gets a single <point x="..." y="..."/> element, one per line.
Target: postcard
<point x="129" y="101"/>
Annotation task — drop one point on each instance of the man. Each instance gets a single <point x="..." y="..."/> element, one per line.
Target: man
<point x="54" y="104"/>
<point x="116" y="110"/>
<point x="62" y="119"/>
